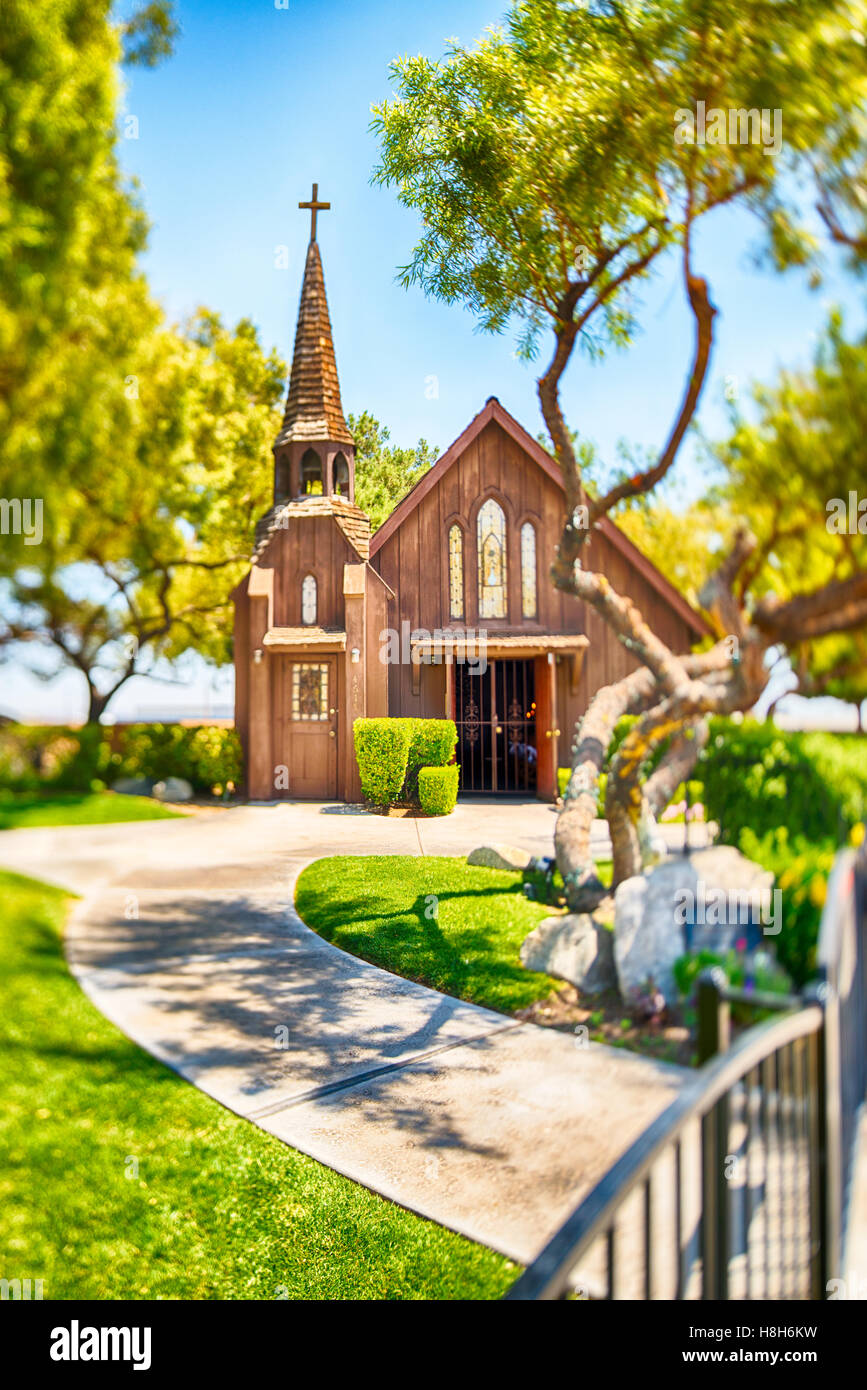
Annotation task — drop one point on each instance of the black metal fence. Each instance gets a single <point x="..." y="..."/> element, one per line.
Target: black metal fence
<point x="739" y="1189"/>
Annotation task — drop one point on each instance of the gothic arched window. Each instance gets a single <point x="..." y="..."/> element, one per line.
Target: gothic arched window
<point x="341" y="475"/>
<point x="491" y="539"/>
<point x="308" y="600"/>
<point x="528" y="570"/>
<point x="456" y="572"/>
<point x="311" y="472"/>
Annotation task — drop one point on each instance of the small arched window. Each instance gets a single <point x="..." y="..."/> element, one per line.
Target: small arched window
<point x="341" y="475"/>
<point x="491" y="540"/>
<point x="456" y="572"/>
<point x="311" y="472"/>
<point x="308" y="600"/>
<point x="528" y="570"/>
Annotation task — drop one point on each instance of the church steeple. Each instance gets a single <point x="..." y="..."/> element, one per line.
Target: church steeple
<point x="314" y="451"/>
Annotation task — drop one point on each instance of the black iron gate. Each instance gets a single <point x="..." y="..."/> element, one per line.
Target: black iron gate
<point x="739" y="1189"/>
<point x="495" y="713"/>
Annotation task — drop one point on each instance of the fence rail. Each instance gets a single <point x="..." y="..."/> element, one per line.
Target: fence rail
<point x="739" y="1188"/>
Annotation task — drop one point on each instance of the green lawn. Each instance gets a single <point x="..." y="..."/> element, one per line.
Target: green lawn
<point x="432" y="919"/>
<point x="21" y="809"/>
<point x="218" y="1209"/>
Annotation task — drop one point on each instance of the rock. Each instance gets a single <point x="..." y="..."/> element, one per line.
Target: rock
<point x="500" y="857"/>
<point x="173" y="789"/>
<point x="702" y="900"/>
<point x="133" y="786"/>
<point x="576" y="947"/>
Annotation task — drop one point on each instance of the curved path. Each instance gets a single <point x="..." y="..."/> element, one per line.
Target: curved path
<point x="186" y="937"/>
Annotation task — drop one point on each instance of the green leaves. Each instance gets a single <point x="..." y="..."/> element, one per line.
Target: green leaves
<point x="542" y="161"/>
<point x="384" y="472"/>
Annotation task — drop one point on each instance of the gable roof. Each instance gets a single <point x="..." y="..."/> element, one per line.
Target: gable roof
<point x="493" y="411"/>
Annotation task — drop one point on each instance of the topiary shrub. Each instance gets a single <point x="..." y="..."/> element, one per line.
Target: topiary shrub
<point x="438" y="790"/>
<point x="432" y="744"/>
<point x="382" y="752"/>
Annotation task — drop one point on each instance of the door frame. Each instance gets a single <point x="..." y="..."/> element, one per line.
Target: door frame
<point x="291" y="729"/>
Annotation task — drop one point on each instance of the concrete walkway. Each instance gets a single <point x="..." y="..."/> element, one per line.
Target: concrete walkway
<point x="187" y="938"/>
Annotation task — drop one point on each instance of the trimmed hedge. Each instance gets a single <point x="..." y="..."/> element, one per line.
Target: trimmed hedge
<point x="391" y="752"/>
<point x="59" y="758"/>
<point x="381" y="751"/>
<point x="432" y="744"/>
<point x="438" y="790"/>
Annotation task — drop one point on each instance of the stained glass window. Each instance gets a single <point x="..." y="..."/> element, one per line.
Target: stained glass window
<point x="308" y="600"/>
<point x="528" y="570"/>
<point x="492" y="560"/>
<point x="310" y="691"/>
<point x="456" y="572"/>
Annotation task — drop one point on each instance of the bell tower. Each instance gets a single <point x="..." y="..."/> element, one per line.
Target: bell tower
<point x="314" y="453"/>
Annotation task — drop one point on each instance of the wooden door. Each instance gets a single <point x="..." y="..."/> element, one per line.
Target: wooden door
<point x="308" y="723"/>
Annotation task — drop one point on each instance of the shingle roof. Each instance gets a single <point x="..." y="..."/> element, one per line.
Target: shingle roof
<point x="352" y="521"/>
<point x="313" y="407"/>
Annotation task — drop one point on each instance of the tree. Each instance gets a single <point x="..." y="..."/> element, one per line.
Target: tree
<point x="791" y="473"/>
<point x="71" y="227"/>
<point x="153" y="524"/>
<point x="553" y="166"/>
<point x="384" y="472"/>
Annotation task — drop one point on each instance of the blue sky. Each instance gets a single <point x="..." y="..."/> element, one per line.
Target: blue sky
<point x="260" y="101"/>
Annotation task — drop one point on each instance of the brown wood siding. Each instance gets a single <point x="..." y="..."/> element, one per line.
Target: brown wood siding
<point x="309" y="545"/>
<point x="414" y="562"/>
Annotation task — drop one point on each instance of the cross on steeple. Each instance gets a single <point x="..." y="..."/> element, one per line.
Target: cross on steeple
<point x="315" y="206"/>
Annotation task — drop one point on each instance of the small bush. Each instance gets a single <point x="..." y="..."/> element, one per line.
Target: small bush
<point x="747" y="970"/>
<point x="206" y="756"/>
<point x="760" y="778"/>
<point x="801" y="873"/>
<point x="432" y="744"/>
<point x="438" y="790"/>
<point x="754" y="776"/>
<point x="64" y="759"/>
<point x="382" y="751"/>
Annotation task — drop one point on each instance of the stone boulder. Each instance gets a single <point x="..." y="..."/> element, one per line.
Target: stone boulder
<point x="661" y="913"/>
<point x="576" y="947"/>
<point x="133" y="786"/>
<point x="173" y="789"/>
<point x="500" y="857"/>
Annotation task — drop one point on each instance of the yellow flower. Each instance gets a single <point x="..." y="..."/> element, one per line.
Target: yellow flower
<point x="856" y="834"/>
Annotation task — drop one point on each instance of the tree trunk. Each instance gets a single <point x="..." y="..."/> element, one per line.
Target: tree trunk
<point x="96" y="704"/>
<point x="579" y="809"/>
